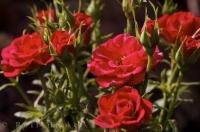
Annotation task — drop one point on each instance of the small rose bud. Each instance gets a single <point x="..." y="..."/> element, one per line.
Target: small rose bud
<point x="145" y="40"/>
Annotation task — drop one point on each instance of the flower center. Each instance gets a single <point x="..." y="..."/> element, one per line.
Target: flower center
<point x="118" y="61"/>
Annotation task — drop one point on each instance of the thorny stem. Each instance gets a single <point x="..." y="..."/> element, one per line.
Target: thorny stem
<point x="162" y="113"/>
<point x="166" y="115"/>
<point x="173" y="101"/>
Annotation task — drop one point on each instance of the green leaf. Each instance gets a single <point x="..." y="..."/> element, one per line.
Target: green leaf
<point x="33" y="92"/>
<point x="6" y="85"/>
<point x="190" y="83"/>
<point x="29" y="114"/>
<point x="39" y="98"/>
<point x="27" y="107"/>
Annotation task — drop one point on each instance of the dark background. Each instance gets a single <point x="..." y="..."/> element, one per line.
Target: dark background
<point x="13" y="20"/>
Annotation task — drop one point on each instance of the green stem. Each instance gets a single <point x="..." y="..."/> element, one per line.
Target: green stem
<point x="162" y="113"/>
<point x="137" y="34"/>
<point x="127" y="9"/>
<point x="173" y="92"/>
<point x="149" y="64"/>
<point x="70" y="75"/>
<point x="173" y="76"/>
<point x="94" y="9"/>
<point x="171" y="108"/>
<point x="129" y="27"/>
<point x="173" y="101"/>
<point x="23" y="95"/>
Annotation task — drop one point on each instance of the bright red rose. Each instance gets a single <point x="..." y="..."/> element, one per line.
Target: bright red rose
<point x="24" y="53"/>
<point x="119" y="61"/>
<point x="83" y="20"/>
<point x="123" y="109"/>
<point x="46" y="15"/>
<point x="61" y="40"/>
<point x="177" y="25"/>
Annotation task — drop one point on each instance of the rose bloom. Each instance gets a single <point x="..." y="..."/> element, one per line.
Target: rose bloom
<point x="125" y="108"/>
<point x="61" y="40"/>
<point x="190" y="44"/>
<point x="83" y="20"/>
<point x="119" y="61"/>
<point x="24" y="53"/>
<point x="43" y="15"/>
<point x="175" y="26"/>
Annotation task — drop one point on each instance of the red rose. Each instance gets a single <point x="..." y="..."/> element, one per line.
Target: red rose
<point x="61" y="40"/>
<point x="83" y="20"/>
<point x="124" y="108"/>
<point x="190" y="44"/>
<point x="119" y="61"/>
<point x="24" y="53"/>
<point x="177" y="25"/>
<point x="43" y="15"/>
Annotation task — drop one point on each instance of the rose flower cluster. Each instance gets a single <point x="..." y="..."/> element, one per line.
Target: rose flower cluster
<point x="30" y="50"/>
<point x="120" y="65"/>
<point x="121" y="62"/>
<point x="180" y="26"/>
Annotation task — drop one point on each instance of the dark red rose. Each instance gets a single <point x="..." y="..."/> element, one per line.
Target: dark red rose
<point x="61" y="40"/>
<point x="83" y="20"/>
<point x="44" y="15"/>
<point x="24" y="53"/>
<point x="125" y="108"/>
<point x="173" y="27"/>
<point x="119" y="61"/>
<point x="190" y="44"/>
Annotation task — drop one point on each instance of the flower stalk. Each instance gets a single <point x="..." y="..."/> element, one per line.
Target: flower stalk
<point x="23" y="95"/>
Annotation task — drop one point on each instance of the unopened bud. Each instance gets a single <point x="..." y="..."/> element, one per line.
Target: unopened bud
<point x="145" y="40"/>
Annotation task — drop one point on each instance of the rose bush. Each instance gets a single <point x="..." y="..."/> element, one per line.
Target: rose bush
<point x="24" y="52"/>
<point x="66" y="95"/>
<point x="119" y="61"/>
<point x="124" y="108"/>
